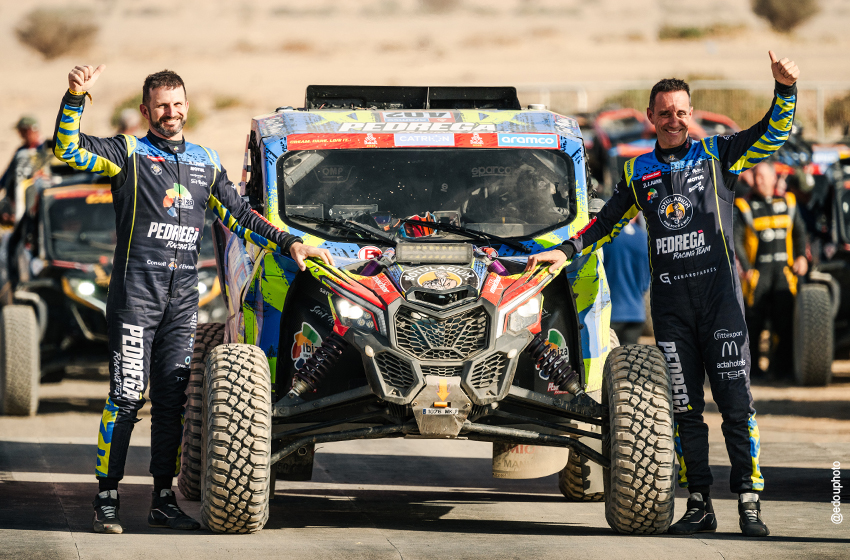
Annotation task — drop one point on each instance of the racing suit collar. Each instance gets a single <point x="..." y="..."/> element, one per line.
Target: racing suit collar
<point x="169" y="146"/>
<point x="666" y="155"/>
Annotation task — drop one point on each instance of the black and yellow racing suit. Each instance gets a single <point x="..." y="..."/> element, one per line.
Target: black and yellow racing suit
<point x="160" y="191"/>
<point x="686" y="195"/>
<point x="769" y="235"/>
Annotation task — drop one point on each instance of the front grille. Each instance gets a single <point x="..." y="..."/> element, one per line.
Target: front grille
<point x="487" y="372"/>
<point x="395" y="371"/>
<point x="432" y="338"/>
<point x="443" y="371"/>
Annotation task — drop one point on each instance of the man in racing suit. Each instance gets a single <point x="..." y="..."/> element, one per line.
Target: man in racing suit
<point x="685" y="190"/>
<point x="161" y="185"/>
<point x="770" y="243"/>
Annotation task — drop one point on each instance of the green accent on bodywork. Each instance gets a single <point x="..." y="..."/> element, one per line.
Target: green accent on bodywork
<point x="593" y="304"/>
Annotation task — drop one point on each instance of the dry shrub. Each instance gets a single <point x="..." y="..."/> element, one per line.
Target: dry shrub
<point x="674" y="33"/>
<point x="222" y="102"/>
<point x="297" y="46"/>
<point x="838" y="114"/>
<point x="391" y="47"/>
<point x="542" y="32"/>
<point x="785" y="15"/>
<point x="439" y="6"/>
<point x="56" y="31"/>
<point x="484" y="41"/>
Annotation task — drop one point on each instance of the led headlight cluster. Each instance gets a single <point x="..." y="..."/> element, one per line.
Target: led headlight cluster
<point x="83" y="291"/>
<point x="353" y="315"/>
<point x="431" y="253"/>
<point x="525" y="315"/>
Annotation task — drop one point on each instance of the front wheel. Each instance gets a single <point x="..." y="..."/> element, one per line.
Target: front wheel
<point x="237" y="430"/>
<point x="207" y="337"/>
<point x="813" y="335"/>
<point x="20" y="363"/>
<point x="638" y="440"/>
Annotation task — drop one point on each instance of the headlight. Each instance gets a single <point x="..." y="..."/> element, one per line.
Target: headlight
<point x="84" y="291"/>
<point x="352" y="315"/>
<point x="85" y="288"/>
<point x="525" y="315"/>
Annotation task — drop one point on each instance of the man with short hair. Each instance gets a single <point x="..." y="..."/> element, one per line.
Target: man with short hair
<point x="770" y="243"/>
<point x="161" y="185"/>
<point x="30" y="162"/>
<point x="685" y="189"/>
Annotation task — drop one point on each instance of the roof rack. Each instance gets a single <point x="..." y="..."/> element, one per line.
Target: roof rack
<point x="406" y="98"/>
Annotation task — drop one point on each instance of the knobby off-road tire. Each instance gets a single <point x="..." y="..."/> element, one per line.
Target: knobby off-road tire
<point x="638" y="440"/>
<point x="207" y="337"/>
<point x="578" y="480"/>
<point x="20" y="361"/>
<point x="237" y="439"/>
<point x="813" y="335"/>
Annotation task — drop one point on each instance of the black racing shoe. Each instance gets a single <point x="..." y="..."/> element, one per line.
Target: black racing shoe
<point x="749" y="510"/>
<point x="106" y="519"/>
<point x="166" y="513"/>
<point x="698" y="519"/>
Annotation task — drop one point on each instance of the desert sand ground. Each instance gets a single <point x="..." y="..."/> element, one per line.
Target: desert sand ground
<point x="263" y="53"/>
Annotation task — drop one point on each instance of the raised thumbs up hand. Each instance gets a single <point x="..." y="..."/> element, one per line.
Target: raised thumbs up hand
<point x="784" y="71"/>
<point x="82" y="78"/>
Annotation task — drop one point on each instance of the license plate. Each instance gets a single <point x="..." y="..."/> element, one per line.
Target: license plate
<point x="439" y="411"/>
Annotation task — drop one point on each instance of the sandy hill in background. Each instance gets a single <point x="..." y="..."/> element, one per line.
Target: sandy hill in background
<point x="242" y="58"/>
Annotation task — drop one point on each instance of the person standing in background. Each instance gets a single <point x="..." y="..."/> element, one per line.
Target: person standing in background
<point x="627" y="268"/>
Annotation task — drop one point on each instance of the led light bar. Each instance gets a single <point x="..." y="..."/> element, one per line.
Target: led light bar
<point x="433" y="253"/>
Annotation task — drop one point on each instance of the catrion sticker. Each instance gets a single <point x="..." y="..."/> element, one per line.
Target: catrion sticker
<point x="675" y="211"/>
<point x="306" y="341"/>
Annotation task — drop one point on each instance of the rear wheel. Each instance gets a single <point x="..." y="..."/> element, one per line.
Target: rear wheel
<point x="20" y="367"/>
<point x="207" y="337"/>
<point x="237" y="428"/>
<point x="638" y="440"/>
<point x="813" y="335"/>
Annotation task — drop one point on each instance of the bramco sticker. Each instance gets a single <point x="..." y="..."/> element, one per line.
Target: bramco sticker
<point x="528" y="141"/>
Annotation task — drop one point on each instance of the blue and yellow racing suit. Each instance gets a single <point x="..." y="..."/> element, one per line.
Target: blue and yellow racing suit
<point x="160" y="191"/>
<point x="687" y="196"/>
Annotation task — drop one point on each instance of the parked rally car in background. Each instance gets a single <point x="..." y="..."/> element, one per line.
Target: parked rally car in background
<point x="431" y="201"/>
<point x="819" y="176"/>
<point x="59" y="262"/>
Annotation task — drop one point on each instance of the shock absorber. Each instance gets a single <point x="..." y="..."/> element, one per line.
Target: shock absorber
<point x="556" y="366"/>
<point x="317" y="366"/>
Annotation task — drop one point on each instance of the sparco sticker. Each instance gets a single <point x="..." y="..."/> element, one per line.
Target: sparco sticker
<point x="675" y="211"/>
<point x="440" y="277"/>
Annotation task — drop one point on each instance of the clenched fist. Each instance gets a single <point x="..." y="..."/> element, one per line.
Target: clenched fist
<point x="82" y="78"/>
<point x="784" y="71"/>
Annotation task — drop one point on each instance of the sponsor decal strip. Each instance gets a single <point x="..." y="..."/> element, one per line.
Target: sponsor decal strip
<point x="359" y="139"/>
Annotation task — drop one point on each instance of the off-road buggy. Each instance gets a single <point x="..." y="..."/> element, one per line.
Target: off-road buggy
<point x="431" y="201"/>
<point x="58" y="262"/>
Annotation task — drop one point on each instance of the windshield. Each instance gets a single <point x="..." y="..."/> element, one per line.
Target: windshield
<point x="80" y="228"/>
<point x="504" y="192"/>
